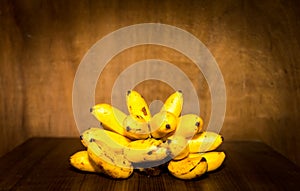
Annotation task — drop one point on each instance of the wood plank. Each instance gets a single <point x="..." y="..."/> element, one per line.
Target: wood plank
<point x="19" y="162"/>
<point x="259" y="167"/>
<point x="42" y="164"/>
<point x="53" y="171"/>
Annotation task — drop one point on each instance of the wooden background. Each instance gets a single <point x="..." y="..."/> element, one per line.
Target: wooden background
<point x="255" y="43"/>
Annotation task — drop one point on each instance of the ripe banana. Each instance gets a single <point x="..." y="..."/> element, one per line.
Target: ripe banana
<point x="148" y="144"/>
<point x="137" y="106"/>
<point x="111" y="163"/>
<point x="174" y="103"/>
<point x="110" y="117"/>
<point x="81" y="161"/>
<point x="205" y="141"/>
<point x="162" y="124"/>
<point x="214" y="159"/>
<point x="136" y="129"/>
<point x="145" y="151"/>
<point x="189" y="125"/>
<point x="178" y="147"/>
<point x="188" y="168"/>
<point x="115" y="141"/>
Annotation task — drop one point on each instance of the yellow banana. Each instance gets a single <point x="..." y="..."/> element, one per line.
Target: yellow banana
<point x="205" y="141"/>
<point x="137" y="106"/>
<point x="145" y="151"/>
<point x="188" y="168"/>
<point x="189" y="125"/>
<point x="110" y="117"/>
<point x="111" y="163"/>
<point x="115" y="141"/>
<point x="136" y="129"/>
<point x="81" y="161"/>
<point x="214" y="159"/>
<point x="162" y="123"/>
<point x="174" y="103"/>
<point x="178" y="147"/>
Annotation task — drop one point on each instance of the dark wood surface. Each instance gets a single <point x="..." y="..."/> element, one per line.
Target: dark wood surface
<point x="42" y="164"/>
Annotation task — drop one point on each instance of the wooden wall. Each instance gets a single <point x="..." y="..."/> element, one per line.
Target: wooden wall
<point x="255" y="43"/>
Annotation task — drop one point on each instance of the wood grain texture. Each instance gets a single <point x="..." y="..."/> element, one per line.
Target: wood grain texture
<point x="248" y="166"/>
<point x="12" y="91"/>
<point x="256" y="45"/>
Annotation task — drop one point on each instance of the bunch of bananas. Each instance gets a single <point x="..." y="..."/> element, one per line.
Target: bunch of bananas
<point x="148" y="143"/>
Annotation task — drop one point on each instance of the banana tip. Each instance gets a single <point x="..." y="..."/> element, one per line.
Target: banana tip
<point x="203" y="159"/>
<point x="222" y="138"/>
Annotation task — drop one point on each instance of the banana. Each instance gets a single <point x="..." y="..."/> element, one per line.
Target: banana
<point x="136" y="129"/>
<point x="174" y="103"/>
<point x="137" y="105"/>
<point x="162" y="124"/>
<point x="81" y="161"/>
<point x="189" y="125"/>
<point x="205" y="141"/>
<point x="112" y="164"/>
<point x="188" y="168"/>
<point x="148" y="143"/>
<point x="178" y="147"/>
<point x="145" y="151"/>
<point x="110" y="117"/>
<point x="115" y="141"/>
<point x="214" y="159"/>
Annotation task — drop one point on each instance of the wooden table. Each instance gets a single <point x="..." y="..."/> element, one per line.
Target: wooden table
<point x="42" y="164"/>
